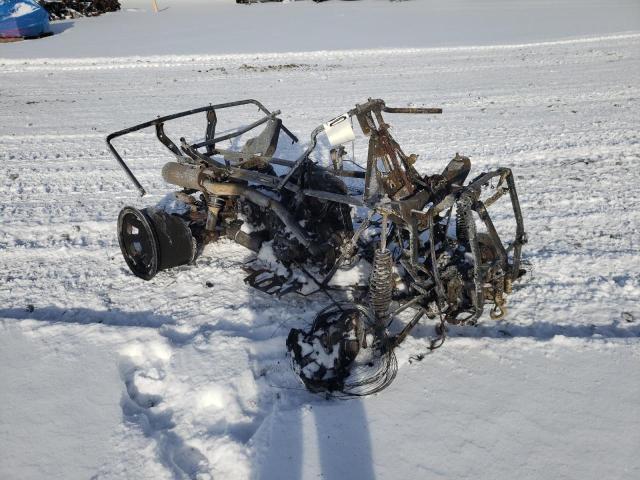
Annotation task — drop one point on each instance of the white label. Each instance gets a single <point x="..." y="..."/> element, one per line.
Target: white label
<point x="339" y="130"/>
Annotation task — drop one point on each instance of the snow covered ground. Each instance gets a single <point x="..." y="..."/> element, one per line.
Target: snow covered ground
<point x="220" y="26"/>
<point x="105" y="376"/>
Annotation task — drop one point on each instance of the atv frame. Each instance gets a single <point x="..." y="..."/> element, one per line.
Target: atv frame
<point x="416" y="261"/>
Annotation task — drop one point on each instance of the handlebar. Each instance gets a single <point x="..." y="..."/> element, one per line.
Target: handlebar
<point x="411" y="110"/>
<point x="378" y="105"/>
<point x="375" y="105"/>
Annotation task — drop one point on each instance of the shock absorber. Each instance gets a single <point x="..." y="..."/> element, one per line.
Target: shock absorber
<point x="381" y="280"/>
<point x="214" y="205"/>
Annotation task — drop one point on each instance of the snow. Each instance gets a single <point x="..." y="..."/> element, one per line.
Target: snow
<point x="106" y="376"/>
<point x="49" y="417"/>
<point x="170" y="203"/>
<point x="268" y="258"/>
<point x="474" y="411"/>
<point x="188" y="27"/>
<point x="357" y="274"/>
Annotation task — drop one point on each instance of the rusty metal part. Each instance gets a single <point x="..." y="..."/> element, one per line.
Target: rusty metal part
<point x="195" y="178"/>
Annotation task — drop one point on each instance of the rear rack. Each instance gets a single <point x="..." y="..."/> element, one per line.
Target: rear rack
<point x="210" y="138"/>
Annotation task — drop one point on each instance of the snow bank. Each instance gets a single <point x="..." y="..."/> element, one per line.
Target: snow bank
<point x="188" y="27"/>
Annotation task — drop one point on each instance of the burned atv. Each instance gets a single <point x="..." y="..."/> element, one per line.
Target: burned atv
<point x="405" y="241"/>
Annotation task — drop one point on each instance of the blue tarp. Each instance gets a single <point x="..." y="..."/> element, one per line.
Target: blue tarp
<point x="22" y="18"/>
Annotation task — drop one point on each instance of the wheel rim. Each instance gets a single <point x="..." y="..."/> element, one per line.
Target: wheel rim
<point x="138" y="243"/>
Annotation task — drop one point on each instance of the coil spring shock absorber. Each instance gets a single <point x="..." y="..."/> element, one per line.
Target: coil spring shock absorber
<point x="381" y="281"/>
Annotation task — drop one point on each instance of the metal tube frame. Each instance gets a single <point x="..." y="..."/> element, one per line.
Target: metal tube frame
<point x="159" y="122"/>
<point x="363" y="111"/>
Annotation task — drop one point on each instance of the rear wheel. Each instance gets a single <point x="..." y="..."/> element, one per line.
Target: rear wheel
<point x="152" y="240"/>
<point x="138" y="243"/>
